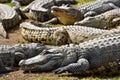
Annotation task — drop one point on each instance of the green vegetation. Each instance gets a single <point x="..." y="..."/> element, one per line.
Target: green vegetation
<point x="80" y="2"/>
<point x="9" y="4"/>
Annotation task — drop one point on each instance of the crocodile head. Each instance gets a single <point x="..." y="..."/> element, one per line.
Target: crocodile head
<point x="91" y="22"/>
<point x="31" y="49"/>
<point x="49" y="60"/>
<point x="66" y="14"/>
<point x="45" y="61"/>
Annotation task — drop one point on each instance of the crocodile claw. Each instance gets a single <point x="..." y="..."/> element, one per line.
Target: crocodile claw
<point x="60" y="70"/>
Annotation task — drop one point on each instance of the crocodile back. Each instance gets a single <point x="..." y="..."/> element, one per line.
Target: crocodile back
<point x="78" y="34"/>
<point x="36" y="34"/>
<point x="101" y="51"/>
<point x="98" y="6"/>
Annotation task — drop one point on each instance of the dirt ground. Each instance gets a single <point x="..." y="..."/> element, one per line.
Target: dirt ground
<point x="14" y="37"/>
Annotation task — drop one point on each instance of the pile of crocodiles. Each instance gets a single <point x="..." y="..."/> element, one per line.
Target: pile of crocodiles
<point x="85" y="44"/>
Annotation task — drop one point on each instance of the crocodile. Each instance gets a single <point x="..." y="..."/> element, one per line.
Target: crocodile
<point x="89" y="55"/>
<point x="69" y="15"/>
<point x="65" y="14"/>
<point x="61" y="35"/>
<point x="105" y="20"/>
<point x="10" y="55"/>
<point x="8" y="19"/>
<point x="40" y="9"/>
<point x="16" y="7"/>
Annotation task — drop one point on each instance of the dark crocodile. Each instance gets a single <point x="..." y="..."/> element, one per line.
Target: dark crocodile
<point x="40" y="9"/>
<point x="98" y="7"/>
<point x="105" y="20"/>
<point x="61" y="35"/>
<point x="100" y="52"/>
<point x="8" y="18"/>
<point x="11" y="55"/>
<point x="69" y="15"/>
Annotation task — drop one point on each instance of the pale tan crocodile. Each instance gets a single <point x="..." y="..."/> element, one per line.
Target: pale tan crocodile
<point x="61" y="35"/>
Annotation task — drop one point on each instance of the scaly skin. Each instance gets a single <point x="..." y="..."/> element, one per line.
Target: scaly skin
<point x="69" y="15"/>
<point x="11" y="55"/>
<point x="100" y="52"/>
<point x="105" y="20"/>
<point x="61" y="35"/>
<point x="40" y="9"/>
<point x="98" y="7"/>
<point x="8" y="19"/>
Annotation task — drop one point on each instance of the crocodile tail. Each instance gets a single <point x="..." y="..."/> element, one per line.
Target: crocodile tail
<point x="3" y="32"/>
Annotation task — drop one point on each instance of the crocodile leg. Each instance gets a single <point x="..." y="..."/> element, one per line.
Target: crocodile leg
<point x="116" y="21"/>
<point x="3" y="32"/>
<point x="19" y="56"/>
<point x="52" y="21"/>
<point x="81" y="65"/>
